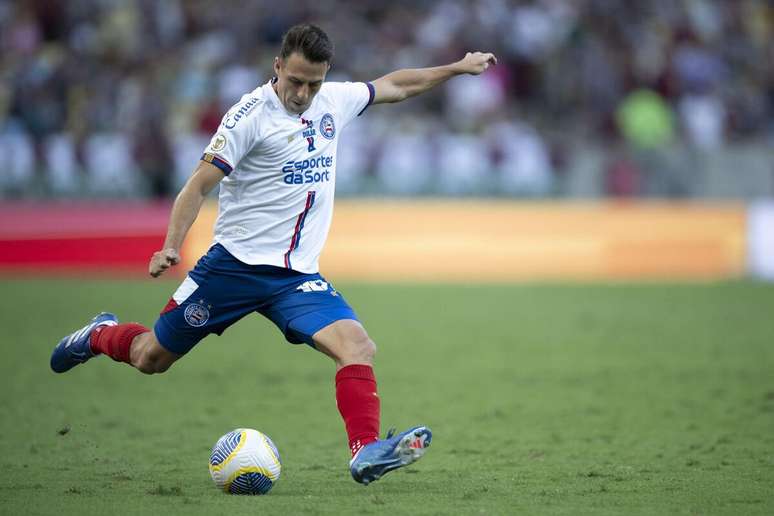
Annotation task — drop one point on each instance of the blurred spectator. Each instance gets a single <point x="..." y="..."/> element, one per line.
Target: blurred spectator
<point x="622" y="177"/>
<point x="405" y="164"/>
<point x="646" y="120"/>
<point x="152" y="150"/>
<point x="463" y="164"/>
<point x="521" y="161"/>
<point x="149" y="78"/>
<point x="703" y="119"/>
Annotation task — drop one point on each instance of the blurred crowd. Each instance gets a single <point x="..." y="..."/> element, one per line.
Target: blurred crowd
<point x="119" y="97"/>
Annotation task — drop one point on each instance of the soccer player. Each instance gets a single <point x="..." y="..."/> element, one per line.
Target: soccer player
<point x="274" y="156"/>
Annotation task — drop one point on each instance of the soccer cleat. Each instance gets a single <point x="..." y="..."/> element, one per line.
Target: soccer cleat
<point x="75" y="348"/>
<point x="379" y="457"/>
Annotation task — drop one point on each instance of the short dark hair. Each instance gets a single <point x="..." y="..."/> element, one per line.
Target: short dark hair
<point x="308" y="40"/>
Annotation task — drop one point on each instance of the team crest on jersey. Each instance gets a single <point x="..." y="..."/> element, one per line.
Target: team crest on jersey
<point x="327" y="127"/>
<point x="196" y="315"/>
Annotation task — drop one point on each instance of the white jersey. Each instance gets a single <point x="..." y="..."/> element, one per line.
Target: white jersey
<point x="276" y="201"/>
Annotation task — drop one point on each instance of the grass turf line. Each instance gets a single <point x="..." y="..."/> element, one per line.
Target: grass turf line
<point x="544" y="399"/>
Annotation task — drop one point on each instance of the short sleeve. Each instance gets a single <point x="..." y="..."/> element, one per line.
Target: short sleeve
<point x="351" y="98"/>
<point x="237" y="134"/>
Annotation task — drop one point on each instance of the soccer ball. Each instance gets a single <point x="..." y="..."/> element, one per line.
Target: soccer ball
<point x="245" y="461"/>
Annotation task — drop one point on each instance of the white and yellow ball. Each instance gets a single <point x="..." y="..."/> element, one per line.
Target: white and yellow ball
<point x="245" y="461"/>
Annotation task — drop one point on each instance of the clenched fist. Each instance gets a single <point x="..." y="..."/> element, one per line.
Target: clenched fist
<point x="163" y="260"/>
<point x="476" y="63"/>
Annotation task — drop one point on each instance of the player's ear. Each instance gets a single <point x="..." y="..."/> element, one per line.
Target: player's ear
<point x="277" y="65"/>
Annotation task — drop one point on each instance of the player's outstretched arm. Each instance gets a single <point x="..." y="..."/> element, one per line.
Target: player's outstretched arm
<point x="184" y="212"/>
<point x="402" y="84"/>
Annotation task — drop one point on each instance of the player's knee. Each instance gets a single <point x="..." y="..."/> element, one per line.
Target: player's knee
<point x="360" y="350"/>
<point x="347" y="343"/>
<point x="368" y="350"/>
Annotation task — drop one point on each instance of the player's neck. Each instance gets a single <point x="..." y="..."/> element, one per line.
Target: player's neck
<point x="273" y="84"/>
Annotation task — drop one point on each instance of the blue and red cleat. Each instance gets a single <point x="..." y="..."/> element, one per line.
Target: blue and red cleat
<point x="375" y="459"/>
<point x="75" y="348"/>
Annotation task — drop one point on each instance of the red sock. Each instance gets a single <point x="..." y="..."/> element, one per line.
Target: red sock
<point x="115" y="341"/>
<point x="358" y="404"/>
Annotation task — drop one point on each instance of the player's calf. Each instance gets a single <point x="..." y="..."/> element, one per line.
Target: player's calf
<point x="130" y="343"/>
<point x="149" y="356"/>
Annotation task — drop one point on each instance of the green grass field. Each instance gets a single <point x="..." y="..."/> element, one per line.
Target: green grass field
<point x="543" y="399"/>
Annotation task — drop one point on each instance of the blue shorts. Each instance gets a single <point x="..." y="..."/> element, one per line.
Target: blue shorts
<point x="220" y="290"/>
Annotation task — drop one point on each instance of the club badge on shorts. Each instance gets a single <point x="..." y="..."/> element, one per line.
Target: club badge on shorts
<point x="196" y="315"/>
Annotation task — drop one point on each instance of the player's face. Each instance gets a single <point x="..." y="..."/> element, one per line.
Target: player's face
<point x="298" y="81"/>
